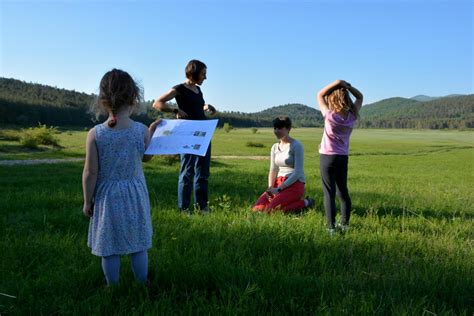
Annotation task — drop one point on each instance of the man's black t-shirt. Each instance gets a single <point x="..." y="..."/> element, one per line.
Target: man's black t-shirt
<point x="190" y="102"/>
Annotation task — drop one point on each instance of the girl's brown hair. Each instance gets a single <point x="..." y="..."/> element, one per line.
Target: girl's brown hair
<point x="194" y="68"/>
<point x="117" y="90"/>
<point x="339" y="100"/>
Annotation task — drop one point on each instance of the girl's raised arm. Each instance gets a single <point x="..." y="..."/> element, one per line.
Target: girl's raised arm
<point x="358" y="95"/>
<point x="324" y="93"/>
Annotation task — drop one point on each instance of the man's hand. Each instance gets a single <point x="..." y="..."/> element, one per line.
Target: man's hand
<point x="211" y="109"/>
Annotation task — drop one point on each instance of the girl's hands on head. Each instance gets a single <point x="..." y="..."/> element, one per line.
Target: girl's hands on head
<point x="344" y="84"/>
<point x="88" y="209"/>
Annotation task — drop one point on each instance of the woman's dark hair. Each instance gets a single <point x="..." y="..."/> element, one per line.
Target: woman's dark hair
<point x="117" y="90"/>
<point x="282" y="121"/>
<point x="194" y="68"/>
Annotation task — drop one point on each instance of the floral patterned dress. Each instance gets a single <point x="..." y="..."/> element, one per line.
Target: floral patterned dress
<point x="121" y="222"/>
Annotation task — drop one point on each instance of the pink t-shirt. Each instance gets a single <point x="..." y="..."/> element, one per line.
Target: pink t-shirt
<point x="337" y="132"/>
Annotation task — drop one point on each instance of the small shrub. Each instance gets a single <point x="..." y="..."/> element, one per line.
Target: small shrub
<point x="41" y="135"/>
<point x="254" y="144"/>
<point x="29" y="141"/>
<point x="254" y="130"/>
<point x="223" y="203"/>
<point x="227" y="127"/>
<point x="45" y="135"/>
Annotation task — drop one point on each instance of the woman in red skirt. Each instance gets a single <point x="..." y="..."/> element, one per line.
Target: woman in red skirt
<point x="286" y="178"/>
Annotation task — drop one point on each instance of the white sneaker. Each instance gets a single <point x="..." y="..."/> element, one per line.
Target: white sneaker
<point x="343" y="228"/>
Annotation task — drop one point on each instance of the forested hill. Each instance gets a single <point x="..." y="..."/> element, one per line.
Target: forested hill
<point x="304" y="115"/>
<point x="446" y="112"/>
<point x="37" y="94"/>
<point x="23" y="103"/>
<point x="28" y="104"/>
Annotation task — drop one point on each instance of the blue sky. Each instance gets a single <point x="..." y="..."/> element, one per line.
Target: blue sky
<point x="259" y="53"/>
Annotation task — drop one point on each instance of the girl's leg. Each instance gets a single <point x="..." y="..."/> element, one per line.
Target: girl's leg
<point x="342" y="190"/>
<point x="111" y="268"/>
<point x="140" y="265"/>
<point x="327" y="170"/>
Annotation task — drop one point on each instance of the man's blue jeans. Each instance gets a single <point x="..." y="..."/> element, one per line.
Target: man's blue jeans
<point x="194" y="172"/>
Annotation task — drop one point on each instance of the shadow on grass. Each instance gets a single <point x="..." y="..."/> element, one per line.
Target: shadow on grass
<point x="244" y="265"/>
<point x="271" y="267"/>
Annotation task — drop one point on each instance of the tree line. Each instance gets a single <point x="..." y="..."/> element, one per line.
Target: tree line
<point x="28" y="104"/>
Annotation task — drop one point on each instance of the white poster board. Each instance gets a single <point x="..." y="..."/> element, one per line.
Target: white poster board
<point x="182" y="137"/>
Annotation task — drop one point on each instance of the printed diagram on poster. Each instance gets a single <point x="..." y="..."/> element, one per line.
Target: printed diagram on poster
<point x="182" y="137"/>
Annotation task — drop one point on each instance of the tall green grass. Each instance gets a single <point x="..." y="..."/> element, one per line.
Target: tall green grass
<point x="409" y="249"/>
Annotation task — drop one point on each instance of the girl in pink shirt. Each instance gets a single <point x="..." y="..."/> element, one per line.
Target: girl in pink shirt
<point x="340" y="114"/>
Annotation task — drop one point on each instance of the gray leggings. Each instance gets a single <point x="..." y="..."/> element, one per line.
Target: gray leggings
<point x="333" y="170"/>
<point x="111" y="267"/>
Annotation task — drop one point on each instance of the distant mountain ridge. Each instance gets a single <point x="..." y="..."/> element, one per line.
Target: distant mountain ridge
<point x="24" y="103"/>
<point x="423" y="98"/>
<point x="454" y="111"/>
<point x="305" y="116"/>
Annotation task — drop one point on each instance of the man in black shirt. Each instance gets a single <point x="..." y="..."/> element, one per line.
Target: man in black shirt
<point x="191" y="106"/>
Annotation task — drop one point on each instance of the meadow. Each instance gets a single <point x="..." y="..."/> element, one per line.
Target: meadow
<point x="409" y="249"/>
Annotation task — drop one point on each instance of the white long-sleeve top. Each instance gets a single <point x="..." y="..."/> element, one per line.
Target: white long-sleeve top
<point x="288" y="162"/>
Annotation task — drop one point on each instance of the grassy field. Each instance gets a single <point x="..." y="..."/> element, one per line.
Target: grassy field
<point x="409" y="250"/>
